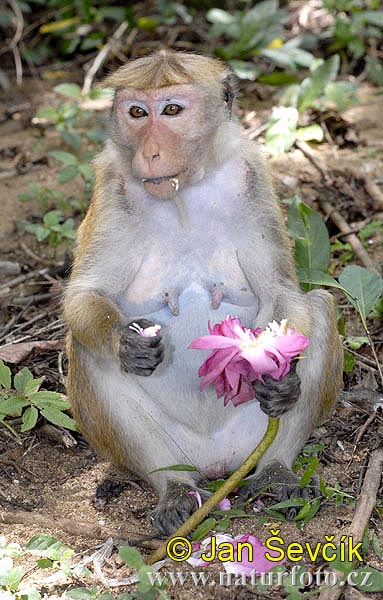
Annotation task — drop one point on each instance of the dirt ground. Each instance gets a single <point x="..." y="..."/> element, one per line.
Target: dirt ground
<point x="47" y="482"/>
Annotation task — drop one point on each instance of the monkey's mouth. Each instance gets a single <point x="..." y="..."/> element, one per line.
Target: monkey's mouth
<point x="158" y="180"/>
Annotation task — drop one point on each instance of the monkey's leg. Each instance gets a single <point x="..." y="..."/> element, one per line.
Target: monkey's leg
<point x="175" y="506"/>
<point x="122" y="424"/>
<point x="320" y="374"/>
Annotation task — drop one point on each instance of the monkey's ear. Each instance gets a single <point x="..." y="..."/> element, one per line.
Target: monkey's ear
<point x="229" y="85"/>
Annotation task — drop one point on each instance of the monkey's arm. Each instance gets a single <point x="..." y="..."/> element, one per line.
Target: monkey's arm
<point x="99" y="326"/>
<point x="93" y="320"/>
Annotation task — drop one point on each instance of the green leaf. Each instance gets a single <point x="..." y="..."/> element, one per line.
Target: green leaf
<point x="147" y="23"/>
<point x="279" y="56"/>
<point x="13" y="405"/>
<point x="310" y="470"/>
<point x="278" y="78"/>
<point x="245" y="70"/>
<point x="356" y="341"/>
<point x="204" y="528"/>
<point x="21" y="379"/>
<point x="45" y="563"/>
<point x="374" y="583"/>
<point x="64" y="157"/>
<point x="348" y="362"/>
<point x="131" y="556"/>
<point x="101" y="93"/>
<point x="174" y="468"/>
<point x="68" y="173"/>
<point x="45" y="398"/>
<point x="310" y="133"/>
<point x="48" y="113"/>
<point x="372" y="17"/>
<point x="312" y="242"/>
<point x="79" y="594"/>
<point x="14" y="578"/>
<point x="68" y="89"/>
<point x="220" y="17"/>
<point x="48" y="546"/>
<point x="52" y="217"/>
<point x="375" y="70"/>
<point x="39" y="231"/>
<point x="59" y="418"/>
<point x="281" y="132"/>
<point x="86" y="171"/>
<point x="30" y="417"/>
<point x="362" y="284"/>
<point x="288" y="503"/>
<point x="5" y="375"/>
<point x="308" y="511"/>
<point x="32" y="386"/>
<point x="72" y="139"/>
<point x="315" y="277"/>
<point x="29" y="594"/>
<point x="313" y="86"/>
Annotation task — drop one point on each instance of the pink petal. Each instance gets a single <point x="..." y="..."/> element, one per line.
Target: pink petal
<point x="246" y="393"/>
<point x="197" y="496"/>
<point x="259" y="564"/>
<point x="213" y="341"/>
<point x="219" y="365"/>
<point x="225" y="504"/>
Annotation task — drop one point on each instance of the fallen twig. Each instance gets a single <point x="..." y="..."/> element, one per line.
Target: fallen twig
<point x="364" y="507"/>
<point x="373" y="191"/>
<point x="13" y="46"/>
<point x="69" y="526"/>
<point x="21" y="278"/>
<point x="102" y="55"/>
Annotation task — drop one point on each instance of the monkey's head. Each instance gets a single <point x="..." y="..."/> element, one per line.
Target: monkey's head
<point x="167" y="110"/>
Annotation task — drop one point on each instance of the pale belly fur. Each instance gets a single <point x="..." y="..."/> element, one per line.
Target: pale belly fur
<point x="168" y="407"/>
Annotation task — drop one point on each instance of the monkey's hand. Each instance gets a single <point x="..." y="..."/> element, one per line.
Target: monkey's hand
<point x="277" y="396"/>
<point x="137" y="354"/>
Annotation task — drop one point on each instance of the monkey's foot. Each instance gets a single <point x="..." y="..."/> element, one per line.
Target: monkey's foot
<point x="284" y="482"/>
<point x="105" y="491"/>
<point x="173" y="508"/>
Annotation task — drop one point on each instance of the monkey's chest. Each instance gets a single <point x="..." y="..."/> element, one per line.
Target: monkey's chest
<point x="172" y="281"/>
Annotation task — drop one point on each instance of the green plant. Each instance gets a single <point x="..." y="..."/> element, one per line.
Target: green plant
<point x="356" y="22"/>
<point x="147" y="589"/>
<point x="362" y="287"/>
<point x="25" y="399"/>
<point x="73" y="123"/>
<point x="316" y="92"/>
<point x="258" y="32"/>
<point x="54" y="228"/>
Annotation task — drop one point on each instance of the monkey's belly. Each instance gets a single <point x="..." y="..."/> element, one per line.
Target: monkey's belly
<point x="195" y="426"/>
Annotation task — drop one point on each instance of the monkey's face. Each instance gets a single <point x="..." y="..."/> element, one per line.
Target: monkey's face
<point x="166" y="132"/>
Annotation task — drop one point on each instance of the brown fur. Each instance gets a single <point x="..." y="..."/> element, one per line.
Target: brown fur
<point x="95" y="318"/>
<point x="166" y="68"/>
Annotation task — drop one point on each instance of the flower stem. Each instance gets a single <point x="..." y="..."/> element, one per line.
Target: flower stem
<point x="235" y="478"/>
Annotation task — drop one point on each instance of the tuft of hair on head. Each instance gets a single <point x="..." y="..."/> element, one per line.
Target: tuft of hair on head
<point x="165" y="68"/>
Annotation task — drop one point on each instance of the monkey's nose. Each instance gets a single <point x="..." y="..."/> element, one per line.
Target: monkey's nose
<point x="151" y="151"/>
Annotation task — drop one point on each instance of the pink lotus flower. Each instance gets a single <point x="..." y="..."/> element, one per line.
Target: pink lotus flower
<point x="147" y="331"/>
<point x="225" y="503"/>
<point x="259" y="563"/>
<point x="243" y="355"/>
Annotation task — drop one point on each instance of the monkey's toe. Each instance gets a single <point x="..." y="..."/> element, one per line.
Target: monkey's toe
<point x="173" y="509"/>
<point x="284" y="483"/>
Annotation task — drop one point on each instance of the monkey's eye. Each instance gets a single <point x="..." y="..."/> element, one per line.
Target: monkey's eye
<point x="172" y="109"/>
<point x="137" y="112"/>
